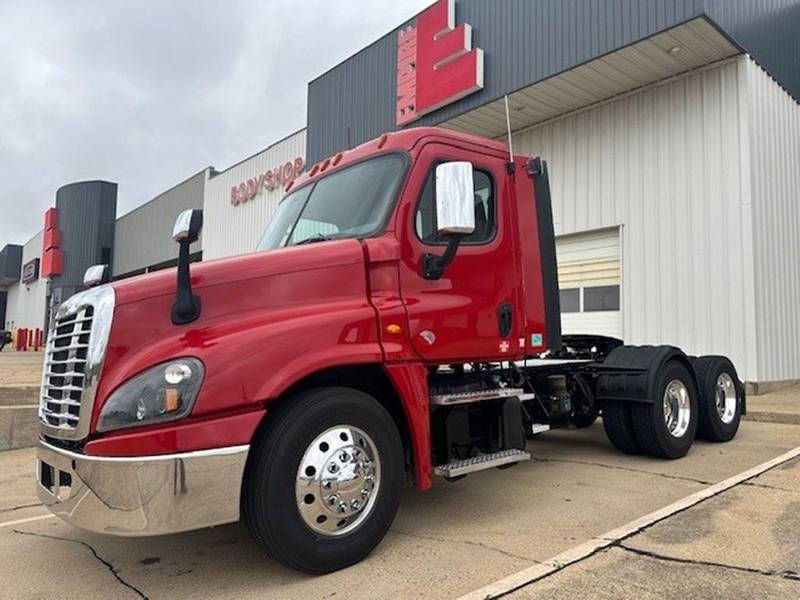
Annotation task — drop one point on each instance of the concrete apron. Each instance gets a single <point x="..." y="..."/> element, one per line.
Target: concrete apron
<point x="18" y="416"/>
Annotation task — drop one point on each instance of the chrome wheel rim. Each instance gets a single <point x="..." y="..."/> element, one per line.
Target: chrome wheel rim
<point x="677" y="408"/>
<point x="725" y="396"/>
<point x="338" y="480"/>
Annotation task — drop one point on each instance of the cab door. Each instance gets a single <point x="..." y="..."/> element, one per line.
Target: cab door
<point x="473" y="312"/>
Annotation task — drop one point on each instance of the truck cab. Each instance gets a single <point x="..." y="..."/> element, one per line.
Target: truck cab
<point x="398" y="320"/>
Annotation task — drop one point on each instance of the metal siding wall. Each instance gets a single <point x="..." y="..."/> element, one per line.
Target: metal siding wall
<point x="665" y="164"/>
<point x="768" y="30"/>
<point x="775" y="167"/>
<point x="86" y="213"/>
<point x="144" y="236"/>
<point x="230" y="230"/>
<point x="26" y="303"/>
<point x="524" y="41"/>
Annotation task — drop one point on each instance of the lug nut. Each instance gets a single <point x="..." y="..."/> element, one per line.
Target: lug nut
<point x="332" y="500"/>
<point x="344" y="457"/>
<point x="342" y="507"/>
<point x="329" y="485"/>
<point x="333" y="468"/>
<point x="355" y="505"/>
<point x="365" y="493"/>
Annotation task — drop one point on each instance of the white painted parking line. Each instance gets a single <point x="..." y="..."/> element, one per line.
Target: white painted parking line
<point x="578" y="553"/>
<point x="28" y="520"/>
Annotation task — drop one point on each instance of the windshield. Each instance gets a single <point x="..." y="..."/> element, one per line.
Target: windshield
<point x="352" y="203"/>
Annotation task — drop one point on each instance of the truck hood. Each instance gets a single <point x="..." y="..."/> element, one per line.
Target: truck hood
<point x="228" y="271"/>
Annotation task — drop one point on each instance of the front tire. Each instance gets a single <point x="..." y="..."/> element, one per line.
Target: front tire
<point x="323" y="480"/>
<point x="667" y="427"/>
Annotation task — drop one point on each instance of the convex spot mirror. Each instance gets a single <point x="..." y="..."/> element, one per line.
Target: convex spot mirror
<point x="455" y="199"/>
<point x="95" y="275"/>
<point x="188" y="225"/>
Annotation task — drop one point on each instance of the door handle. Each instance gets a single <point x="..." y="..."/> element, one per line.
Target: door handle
<point x="505" y="316"/>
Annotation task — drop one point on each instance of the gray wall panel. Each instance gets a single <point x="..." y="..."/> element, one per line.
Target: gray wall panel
<point x="768" y="30"/>
<point x="144" y="235"/>
<point x="526" y="41"/>
<point x="86" y="214"/>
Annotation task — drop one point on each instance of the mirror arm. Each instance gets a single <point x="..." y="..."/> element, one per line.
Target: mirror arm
<point x="187" y="306"/>
<point x="434" y="265"/>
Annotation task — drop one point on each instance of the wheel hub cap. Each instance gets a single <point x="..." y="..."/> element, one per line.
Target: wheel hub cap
<point x="338" y="480"/>
<point x="677" y="408"/>
<point x="725" y="394"/>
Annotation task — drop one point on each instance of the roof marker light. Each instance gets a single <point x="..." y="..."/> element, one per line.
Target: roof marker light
<point x="382" y="141"/>
<point x="337" y="159"/>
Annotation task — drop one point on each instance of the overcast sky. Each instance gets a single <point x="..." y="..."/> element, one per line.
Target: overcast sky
<point x="145" y="94"/>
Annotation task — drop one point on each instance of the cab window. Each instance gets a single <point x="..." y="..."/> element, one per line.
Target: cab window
<point x="485" y="211"/>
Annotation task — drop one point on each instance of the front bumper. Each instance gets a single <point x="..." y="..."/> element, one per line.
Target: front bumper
<point x="143" y="495"/>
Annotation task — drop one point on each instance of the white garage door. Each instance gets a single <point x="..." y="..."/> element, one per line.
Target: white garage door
<point x="589" y="278"/>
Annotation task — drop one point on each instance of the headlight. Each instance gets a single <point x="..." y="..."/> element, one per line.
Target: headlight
<point x="165" y="392"/>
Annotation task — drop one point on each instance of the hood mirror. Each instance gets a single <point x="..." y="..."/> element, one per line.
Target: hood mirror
<point x="96" y="275"/>
<point x="188" y="225"/>
<point x="186" y="231"/>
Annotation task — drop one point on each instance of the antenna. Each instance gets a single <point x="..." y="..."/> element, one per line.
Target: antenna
<point x="510" y="145"/>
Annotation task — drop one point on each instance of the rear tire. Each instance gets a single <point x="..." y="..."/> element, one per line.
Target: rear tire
<point x="619" y="427"/>
<point x="667" y="426"/>
<point x="323" y="480"/>
<point x="721" y="398"/>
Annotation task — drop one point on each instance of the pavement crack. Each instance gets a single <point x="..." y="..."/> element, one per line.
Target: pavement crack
<point x="768" y="487"/>
<point x="20" y="507"/>
<point x="706" y="563"/>
<point x="91" y="549"/>
<point x="620" y="468"/>
<point x="443" y="540"/>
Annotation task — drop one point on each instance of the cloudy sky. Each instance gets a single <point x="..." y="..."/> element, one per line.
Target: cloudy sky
<point x="147" y="93"/>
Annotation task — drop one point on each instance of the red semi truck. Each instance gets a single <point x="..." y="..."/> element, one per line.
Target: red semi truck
<point x="400" y="320"/>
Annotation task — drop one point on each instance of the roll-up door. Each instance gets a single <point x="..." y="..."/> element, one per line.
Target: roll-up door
<point x="589" y="277"/>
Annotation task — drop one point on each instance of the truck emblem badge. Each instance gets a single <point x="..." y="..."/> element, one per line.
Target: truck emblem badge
<point x="504" y="346"/>
<point x="428" y="336"/>
<point x="536" y="339"/>
<point x="436" y="63"/>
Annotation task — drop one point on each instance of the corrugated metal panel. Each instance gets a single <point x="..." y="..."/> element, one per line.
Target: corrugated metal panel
<point x="143" y="237"/>
<point x="697" y="42"/>
<point x="768" y="31"/>
<point x="665" y="164"/>
<point x="775" y="179"/>
<point x="25" y="305"/>
<point x="524" y="41"/>
<point x="86" y="214"/>
<point x="230" y="230"/>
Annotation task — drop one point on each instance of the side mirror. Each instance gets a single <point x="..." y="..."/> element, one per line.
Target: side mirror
<point x="455" y="213"/>
<point x="95" y="275"/>
<point x="455" y="199"/>
<point x="187" y="229"/>
<point x="188" y="225"/>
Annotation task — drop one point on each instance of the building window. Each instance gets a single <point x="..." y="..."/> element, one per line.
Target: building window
<point x="570" y="300"/>
<point x="485" y="222"/>
<point x="602" y="298"/>
<point x="590" y="299"/>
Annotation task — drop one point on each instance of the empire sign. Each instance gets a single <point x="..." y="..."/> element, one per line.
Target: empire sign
<point x="436" y="63"/>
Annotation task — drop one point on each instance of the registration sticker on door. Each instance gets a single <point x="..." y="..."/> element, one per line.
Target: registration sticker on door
<point x="536" y="339"/>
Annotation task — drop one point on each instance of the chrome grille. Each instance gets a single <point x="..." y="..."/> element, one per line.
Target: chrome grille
<point x="65" y="366"/>
<point x="75" y="352"/>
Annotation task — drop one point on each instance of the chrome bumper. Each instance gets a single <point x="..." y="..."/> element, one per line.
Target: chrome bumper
<point x="143" y="495"/>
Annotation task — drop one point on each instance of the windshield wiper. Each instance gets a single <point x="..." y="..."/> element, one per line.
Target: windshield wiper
<point x="320" y="237"/>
